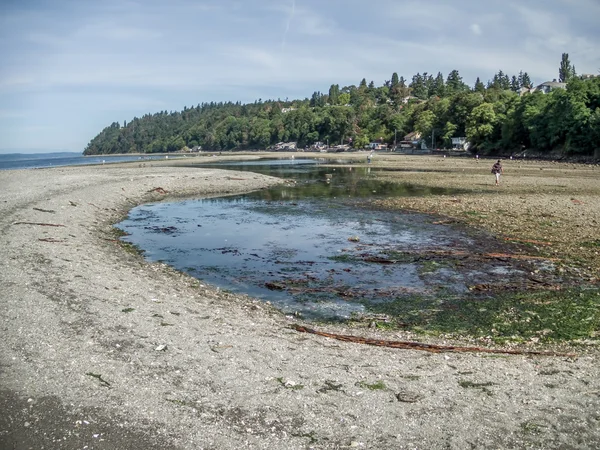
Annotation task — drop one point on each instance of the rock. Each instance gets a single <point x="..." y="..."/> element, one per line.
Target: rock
<point x="408" y="397"/>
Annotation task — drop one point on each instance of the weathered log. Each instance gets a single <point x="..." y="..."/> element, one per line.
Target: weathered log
<point x="433" y="348"/>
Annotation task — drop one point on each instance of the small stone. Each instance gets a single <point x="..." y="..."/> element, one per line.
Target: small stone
<point x="408" y="397"/>
<point x="161" y="348"/>
<point x="27" y="424"/>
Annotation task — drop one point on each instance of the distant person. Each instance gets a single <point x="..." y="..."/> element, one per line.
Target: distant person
<point x="497" y="170"/>
<point x="370" y="157"/>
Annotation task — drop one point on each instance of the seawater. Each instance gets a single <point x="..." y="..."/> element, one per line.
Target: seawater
<point x="300" y="255"/>
<point x="312" y="249"/>
<point x="60" y="159"/>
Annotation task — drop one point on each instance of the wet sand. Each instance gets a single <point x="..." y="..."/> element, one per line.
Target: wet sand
<point x="104" y="350"/>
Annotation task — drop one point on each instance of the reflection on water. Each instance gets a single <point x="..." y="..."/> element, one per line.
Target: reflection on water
<point x="316" y="248"/>
<point x="313" y="180"/>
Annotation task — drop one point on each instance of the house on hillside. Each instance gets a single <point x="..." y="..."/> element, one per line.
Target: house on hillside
<point x="545" y="88"/>
<point x="283" y="147"/>
<point x="319" y="146"/>
<point x="410" y="141"/>
<point x="377" y="146"/>
<point x="408" y="98"/>
<point x="460" y="143"/>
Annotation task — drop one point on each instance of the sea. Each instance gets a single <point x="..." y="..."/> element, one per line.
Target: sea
<point x="13" y="161"/>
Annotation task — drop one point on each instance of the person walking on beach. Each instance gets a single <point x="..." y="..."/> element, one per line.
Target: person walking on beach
<point x="497" y="170"/>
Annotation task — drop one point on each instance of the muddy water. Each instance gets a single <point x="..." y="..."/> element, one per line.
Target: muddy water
<point x="317" y="249"/>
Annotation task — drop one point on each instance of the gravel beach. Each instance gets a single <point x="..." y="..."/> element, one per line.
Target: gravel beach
<point x="102" y="350"/>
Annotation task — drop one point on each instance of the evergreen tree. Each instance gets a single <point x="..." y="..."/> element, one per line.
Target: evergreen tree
<point x="395" y="80"/>
<point x="514" y="84"/>
<point x="418" y="87"/>
<point x="317" y="100"/>
<point x="429" y="84"/>
<point x="524" y="80"/>
<point x="454" y="83"/>
<point x="500" y="81"/>
<point x="439" y="87"/>
<point x="334" y="94"/>
<point x="565" y="71"/>
<point x="479" y="86"/>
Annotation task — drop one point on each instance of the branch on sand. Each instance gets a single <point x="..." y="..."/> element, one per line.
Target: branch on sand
<point x="423" y="347"/>
<point x="40" y="224"/>
<point x="159" y="190"/>
<point x="45" y="210"/>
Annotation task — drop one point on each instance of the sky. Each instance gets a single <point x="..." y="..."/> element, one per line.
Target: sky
<point x="69" y="68"/>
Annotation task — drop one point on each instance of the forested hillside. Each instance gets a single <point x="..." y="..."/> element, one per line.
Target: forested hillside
<point x="495" y="118"/>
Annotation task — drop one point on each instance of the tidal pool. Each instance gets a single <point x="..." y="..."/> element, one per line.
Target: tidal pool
<point x="317" y="249"/>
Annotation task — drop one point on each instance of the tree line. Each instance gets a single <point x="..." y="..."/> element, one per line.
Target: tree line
<point x="496" y="117"/>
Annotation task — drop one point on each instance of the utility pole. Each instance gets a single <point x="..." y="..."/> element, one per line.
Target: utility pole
<point x="395" y="131"/>
<point x="432" y="139"/>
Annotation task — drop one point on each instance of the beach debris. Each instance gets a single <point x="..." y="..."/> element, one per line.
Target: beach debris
<point x="40" y="224"/>
<point x="51" y="240"/>
<point x="330" y="385"/>
<point x="289" y="384"/>
<point x="220" y="347"/>
<point x="99" y="377"/>
<point x="354" y="239"/>
<point x="432" y="348"/>
<point x="161" y="348"/>
<point x="408" y="397"/>
<point x="51" y="211"/>
<point x="159" y="190"/>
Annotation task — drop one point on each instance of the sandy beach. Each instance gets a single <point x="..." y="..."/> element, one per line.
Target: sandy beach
<point x="102" y="350"/>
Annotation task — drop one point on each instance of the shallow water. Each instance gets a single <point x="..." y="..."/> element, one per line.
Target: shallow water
<point x="317" y="249"/>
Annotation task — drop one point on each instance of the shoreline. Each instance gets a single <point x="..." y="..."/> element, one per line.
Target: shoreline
<point x="106" y="350"/>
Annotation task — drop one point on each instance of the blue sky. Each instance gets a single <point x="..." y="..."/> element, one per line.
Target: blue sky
<point x="71" y="67"/>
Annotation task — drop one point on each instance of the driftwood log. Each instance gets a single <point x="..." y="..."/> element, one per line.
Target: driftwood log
<point x="424" y="347"/>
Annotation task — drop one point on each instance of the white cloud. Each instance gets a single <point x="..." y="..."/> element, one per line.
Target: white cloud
<point x="475" y="28"/>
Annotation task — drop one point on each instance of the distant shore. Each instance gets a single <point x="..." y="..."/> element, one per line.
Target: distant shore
<point x="105" y="350"/>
